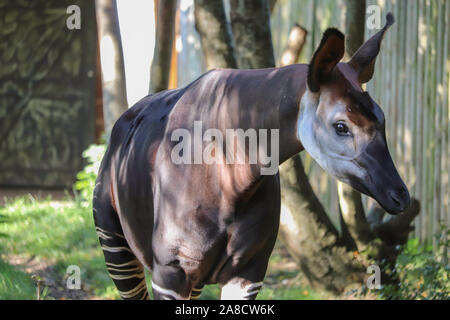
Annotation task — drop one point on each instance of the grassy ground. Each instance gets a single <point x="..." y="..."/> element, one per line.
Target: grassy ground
<point x="15" y="284"/>
<point x="44" y="237"/>
<point x="58" y="234"/>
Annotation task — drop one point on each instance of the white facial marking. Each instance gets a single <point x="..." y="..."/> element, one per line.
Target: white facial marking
<point x="333" y="153"/>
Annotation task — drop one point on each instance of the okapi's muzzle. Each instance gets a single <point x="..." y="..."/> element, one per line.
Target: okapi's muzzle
<point x="382" y="182"/>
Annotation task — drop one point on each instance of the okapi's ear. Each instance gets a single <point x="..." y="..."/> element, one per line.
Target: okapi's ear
<point x="328" y="54"/>
<point x="363" y="61"/>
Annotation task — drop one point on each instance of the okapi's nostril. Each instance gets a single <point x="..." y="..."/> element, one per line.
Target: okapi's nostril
<point x="400" y="197"/>
<point x="394" y="197"/>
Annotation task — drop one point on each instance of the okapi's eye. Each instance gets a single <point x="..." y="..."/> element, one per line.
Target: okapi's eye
<point x="341" y="129"/>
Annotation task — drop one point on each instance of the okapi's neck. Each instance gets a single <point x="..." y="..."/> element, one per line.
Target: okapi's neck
<point x="265" y="99"/>
<point x="276" y="95"/>
<point x="289" y="110"/>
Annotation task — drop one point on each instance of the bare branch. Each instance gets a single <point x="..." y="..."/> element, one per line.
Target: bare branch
<point x="165" y="30"/>
<point x="395" y="229"/>
<point x="375" y="215"/>
<point x="296" y="40"/>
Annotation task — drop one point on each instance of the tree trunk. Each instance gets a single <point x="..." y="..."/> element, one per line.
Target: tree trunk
<point x="215" y="34"/>
<point x="353" y="218"/>
<point x="250" y="22"/>
<point x="165" y="30"/>
<point x="326" y="258"/>
<point x="354" y="25"/>
<point x="113" y="72"/>
<point x="311" y="238"/>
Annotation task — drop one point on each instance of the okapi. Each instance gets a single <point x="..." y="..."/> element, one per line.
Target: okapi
<point x="198" y="224"/>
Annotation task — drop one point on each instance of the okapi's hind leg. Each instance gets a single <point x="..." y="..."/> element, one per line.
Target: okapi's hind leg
<point x="123" y="267"/>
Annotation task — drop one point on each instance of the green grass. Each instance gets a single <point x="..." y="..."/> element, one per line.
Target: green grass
<point x="63" y="234"/>
<point x="15" y="284"/>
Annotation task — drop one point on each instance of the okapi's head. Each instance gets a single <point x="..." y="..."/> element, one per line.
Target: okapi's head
<point x="342" y="128"/>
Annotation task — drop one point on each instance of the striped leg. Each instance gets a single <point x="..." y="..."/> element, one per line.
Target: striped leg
<point x="123" y="267"/>
<point x="239" y="289"/>
<point x="196" y="292"/>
